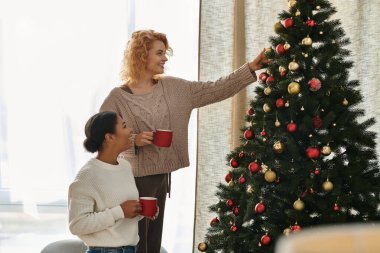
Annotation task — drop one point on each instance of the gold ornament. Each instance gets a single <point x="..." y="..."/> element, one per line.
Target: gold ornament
<point x="278" y="27"/>
<point x="318" y="7"/>
<point x="266" y="108"/>
<point x="231" y="183"/>
<point x="270" y="176"/>
<point x="267" y="91"/>
<point x="287" y="231"/>
<point x="277" y="123"/>
<point x="278" y="147"/>
<point x="345" y="102"/>
<point x="287" y="104"/>
<point x="298" y="13"/>
<point x="326" y="150"/>
<point x="302" y="108"/>
<point x="202" y="246"/>
<point x="287" y="46"/>
<point x="294" y="88"/>
<point x="281" y="69"/>
<point x="249" y="189"/>
<point x="327" y="186"/>
<point x="298" y="205"/>
<point x="292" y="3"/>
<point x="307" y="41"/>
<point x="293" y="66"/>
<point x="305" y="55"/>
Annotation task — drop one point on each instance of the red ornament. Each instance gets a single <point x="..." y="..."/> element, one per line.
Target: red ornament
<point x="317" y="122"/>
<point x="312" y="153"/>
<point x="260" y="207"/>
<point x="265" y="240"/>
<point x="241" y="154"/>
<point x="292" y="127"/>
<point x="336" y="207"/>
<point x="269" y="80"/>
<point x="280" y="50"/>
<point x="283" y="73"/>
<point x="314" y="84"/>
<point x="250" y="112"/>
<point x="228" y="177"/>
<point x="263" y="77"/>
<point x="236" y="211"/>
<point x="316" y="171"/>
<point x="248" y="134"/>
<point x="233" y="228"/>
<point x="254" y="167"/>
<point x="287" y="23"/>
<point x="242" y="180"/>
<point x="280" y="102"/>
<point x="214" y="221"/>
<point x="263" y="133"/>
<point x="230" y="202"/>
<point x="234" y="163"/>
<point x="296" y="228"/>
<point x="310" y="22"/>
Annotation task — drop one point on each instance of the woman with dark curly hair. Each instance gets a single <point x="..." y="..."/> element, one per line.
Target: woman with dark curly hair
<point x="150" y="101"/>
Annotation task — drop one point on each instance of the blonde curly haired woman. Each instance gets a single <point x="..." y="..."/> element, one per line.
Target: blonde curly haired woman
<point x="149" y="101"/>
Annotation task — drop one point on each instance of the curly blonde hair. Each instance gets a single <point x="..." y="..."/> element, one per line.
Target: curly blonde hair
<point x="136" y="53"/>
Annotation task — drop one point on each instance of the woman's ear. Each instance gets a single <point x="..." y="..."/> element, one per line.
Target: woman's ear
<point x="109" y="137"/>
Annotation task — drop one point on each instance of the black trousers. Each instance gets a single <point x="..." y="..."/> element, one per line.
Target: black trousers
<point x="150" y="231"/>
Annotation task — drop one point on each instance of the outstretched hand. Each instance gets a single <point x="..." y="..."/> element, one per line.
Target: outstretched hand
<point x="259" y="62"/>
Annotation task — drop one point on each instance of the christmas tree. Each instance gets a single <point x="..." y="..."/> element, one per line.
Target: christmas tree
<point x="305" y="158"/>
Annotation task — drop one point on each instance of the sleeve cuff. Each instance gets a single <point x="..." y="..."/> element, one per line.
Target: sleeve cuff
<point x="117" y="213"/>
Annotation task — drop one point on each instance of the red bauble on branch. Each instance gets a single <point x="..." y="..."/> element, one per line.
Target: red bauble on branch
<point x="260" y="207"/>
<point x="235" y="211"/>
<point x="242" y="180"/>
<point x="250" y="112"/>
<point x="269" y="80"/>
<point x="234" y="163"/>
<point x="287" y="23"/>
<point x="229" y="203"/>
<point x="314" y="84"/>
<point x="214" y="221"/>
<point x="265" y="240"/>
<point x="280" y="102"/>
<point x="280" y="50"/>
<point x="241" y="154"/>
<point x="312" y="153"/>
<point x="296" y="228"/>
<point x="310" y="22"/>
<point x="292" y="127"/>
<point x="248" y="134"/>
<point x="263" y="77"/>
<point x="254" y="167"/>
<point x="228" y="177"/>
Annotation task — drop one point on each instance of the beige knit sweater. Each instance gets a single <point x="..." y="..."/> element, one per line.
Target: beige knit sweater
<point x="176" y="98"/>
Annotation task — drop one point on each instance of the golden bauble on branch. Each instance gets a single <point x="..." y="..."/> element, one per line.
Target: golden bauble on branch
<point x="292" y="3"/>
<point x="294" y="88"/>
<point x="327" y="186"/>
<point x="270" y="176"/>
<point x="298" y="13"/>
<point x="202" y="246"/>
<point x="293" y="66"/>
<point x="326" y="150"/>
<point x="266" y="108"/>
<point x="278" y="27"/>
<point x="307" y="41"/>
<point x="345" y="102"/>
<point x="287" y="46"/>
<point x="267" y="91"/>
<point x="287" y="231"/>
<point x="298" y="205"/>
<point x="277" y="123"/>
<point x="278" y="147"/>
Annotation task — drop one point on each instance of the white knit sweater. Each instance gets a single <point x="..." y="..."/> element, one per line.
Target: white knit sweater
<point x="95" y="214"/>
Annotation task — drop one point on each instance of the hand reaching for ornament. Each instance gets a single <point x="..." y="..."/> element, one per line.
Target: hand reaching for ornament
<point x="258" y="62"/>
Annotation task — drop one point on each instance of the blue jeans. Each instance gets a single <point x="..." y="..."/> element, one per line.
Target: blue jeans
<point x="124" y="249"/>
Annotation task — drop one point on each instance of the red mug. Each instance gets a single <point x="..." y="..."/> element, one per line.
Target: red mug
<point x="162" y="138"/>
<point x="149" y="206"/>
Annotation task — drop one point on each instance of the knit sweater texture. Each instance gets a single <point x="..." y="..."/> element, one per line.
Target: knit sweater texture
<point x="95" y="214"/>
<point x="169" y="106"/>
